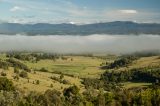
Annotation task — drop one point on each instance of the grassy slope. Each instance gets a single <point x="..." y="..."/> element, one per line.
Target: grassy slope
<point x="142" y="62"/>
<point x="82" y="66"/>
<point x="128" y="85"/>
<point x="147" y="61"/>
<point x="44" y="79"/>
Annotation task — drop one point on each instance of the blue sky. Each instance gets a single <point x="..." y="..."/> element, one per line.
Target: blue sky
<point x="79" y="11"/>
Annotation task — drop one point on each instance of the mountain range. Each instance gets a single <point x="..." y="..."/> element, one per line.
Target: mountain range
<point x="113" y="28"/>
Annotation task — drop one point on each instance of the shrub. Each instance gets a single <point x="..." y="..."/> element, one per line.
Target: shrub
<point x="6" y="84"/>
<point x="65" y="82"/>
<point x="4" y="65"/>
<point x="55" y="78"/>
<point x="61" y="76"/>
<point x="122" y="62"/>
<point x="23" y="74"/>
<point x="53" y="98"/>
<point x="18" y="64"/>
<point x="3" y="74"/>
<point x="43" y="70"/>
<point x="73" y="90"/>
<point x="37" y="82"/>
<point x="72" y="96"/>
<point x="51" y="85"/>
<point x="16" y="70"/>
<point x="16" y="77"/>
<point x="60" y="80"/>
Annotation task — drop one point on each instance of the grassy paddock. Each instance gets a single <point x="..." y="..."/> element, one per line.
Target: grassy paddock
<point x="81" y="66"/>
<point x="128" y="85"/>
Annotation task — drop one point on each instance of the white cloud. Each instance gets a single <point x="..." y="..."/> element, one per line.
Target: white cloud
<point x="128" y="11"/>
<point x="80" y="44"/>
<point x="17" y="8"/>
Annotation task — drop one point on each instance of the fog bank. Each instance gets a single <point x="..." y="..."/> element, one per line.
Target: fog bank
<point x="80" y="44"/>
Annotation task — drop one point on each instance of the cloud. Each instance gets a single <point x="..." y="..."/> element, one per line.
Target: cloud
<point x="44" y="11"/>
<point x="128" y="11"/>
<point x="17" y="8"/>
<point x="80" y="44"/>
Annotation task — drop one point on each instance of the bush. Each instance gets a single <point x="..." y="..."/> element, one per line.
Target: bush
<point x="51" y="85"/>
<point x="37" y="82"/>
<point x="72" y="96"/>
<point x="60" y="80"/>
<point x="122" y="62"/>
<point x="52" y="98"/>
<point x="3" y="74"/>
<point x="18" y="64"/>
<point x="23" y="74"/>
<point x="16" y="70"/>
<point x="16" y="77"/>
<point x="6" y="84"/>
<point x="61" y="76"/>
<point x="73" y="90"/>
<point x="65" y="82"/>
<point x="4" y="65"/>
<point x="55" y="78"/>
<point x="43" y="70"/>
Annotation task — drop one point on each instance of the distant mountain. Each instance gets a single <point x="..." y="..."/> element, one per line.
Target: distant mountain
<point x="117" y="27"/>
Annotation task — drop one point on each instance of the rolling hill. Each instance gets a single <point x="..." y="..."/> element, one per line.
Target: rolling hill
<point x="113" y="28"/>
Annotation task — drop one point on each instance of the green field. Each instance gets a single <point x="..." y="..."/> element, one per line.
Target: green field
<point x="79" y="66"/>
<point x="129" y="85"/>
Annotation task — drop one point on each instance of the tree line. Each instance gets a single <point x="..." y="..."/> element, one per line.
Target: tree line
<point x="71" y="96"/>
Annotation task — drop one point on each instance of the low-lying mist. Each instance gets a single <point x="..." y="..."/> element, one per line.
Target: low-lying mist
<point x="80" y="44"/>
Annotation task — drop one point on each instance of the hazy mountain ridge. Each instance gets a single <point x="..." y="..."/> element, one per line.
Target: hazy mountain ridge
<point x="117" y="27"/>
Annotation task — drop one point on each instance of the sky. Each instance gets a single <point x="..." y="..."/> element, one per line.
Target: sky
<point x="79" y="11"/>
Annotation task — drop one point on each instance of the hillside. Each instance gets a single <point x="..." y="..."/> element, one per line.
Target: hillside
<point x="114" y="28"/>
<point x="74" y="69"/>
<point x="34" y="78"/>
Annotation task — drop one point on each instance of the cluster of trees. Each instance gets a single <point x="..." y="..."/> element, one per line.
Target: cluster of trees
<point x="122" y="62"/>
<point x="23" y="74"/>
<point x="42" y="70"/>
<point x="4" y="65"/>
<point x="20" y="56"/>
<point x="6" y="85"/>
<point x="17" y="64"/>
<point x="60" y="79"/>
<point x="151" y="75"/>
<point x="33" y="57"/>
<point x="146" y="53"/>
<point x="112" y="80"/>
<point x="71" y="96"/>
<point x="96" y="83"/>
<point x="41" y="56"/>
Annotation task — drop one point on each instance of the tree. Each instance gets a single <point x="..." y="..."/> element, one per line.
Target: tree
<point x="72" y="96"/>
<point x="37" y="82"/>
<point x="3" y="73"/>
<point x="101" y="98"/>
<point x="16" y="70"/>
<point x="61" y="76"/>
<point x="6" y="84"/>
<point x="52" y="98"/>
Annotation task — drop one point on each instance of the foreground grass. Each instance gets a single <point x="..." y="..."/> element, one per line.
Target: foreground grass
<point x="29" y="84"/>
